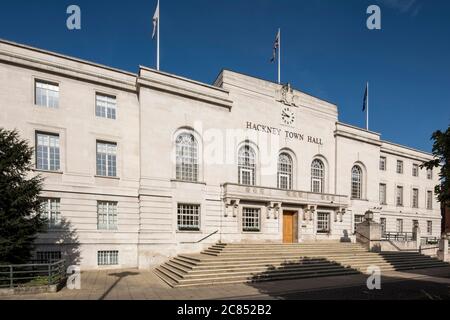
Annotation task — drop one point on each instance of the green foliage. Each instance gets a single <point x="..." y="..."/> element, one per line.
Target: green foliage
<point x="441" y="152"/>
<point x="20" y="221"/>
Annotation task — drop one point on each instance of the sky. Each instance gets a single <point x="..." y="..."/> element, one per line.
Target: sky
<point x="327" y="49"/>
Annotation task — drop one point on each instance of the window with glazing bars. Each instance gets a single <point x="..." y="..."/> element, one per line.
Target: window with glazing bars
<point x="429" y="228"/>
<point x="188" y="217"/>
<point x="356" y="182"/>
<point x="317" y="176"/>
<point x="105" y="106"/>
<point x="399" y="225"/>
<point x="108" y="258"/>
<point x="106" y="215"/>
<point x="399" y="196"/>
<point x="415" y="170"/>
<point x="323" y="222"/>
<point x="187" y="158"/>
<point x="383" y="163"/>
<point x="47" y="152"/>
<point x="46" y="94"/>
<point x="358" y="219"/>
<point x="106" y="159"/>
<point x="383" y="225"/>
<point x="429" y="174"/>
<point x="285" y="171"/>
<point x="247" y="166"/>
<point x="251" y="219"/>
<point x="48" y="256"/>
<point x="415" y="198"/>
<point x="429" y="200"/>
<point x="382" y="193"/>
<point x="399" y="166"/>
<point x="50" y="209"/>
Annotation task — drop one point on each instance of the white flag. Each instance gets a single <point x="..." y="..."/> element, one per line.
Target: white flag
<point x="155" y="20"/>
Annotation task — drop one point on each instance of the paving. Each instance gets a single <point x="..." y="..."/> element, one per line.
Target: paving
<point x="146" y="285"/>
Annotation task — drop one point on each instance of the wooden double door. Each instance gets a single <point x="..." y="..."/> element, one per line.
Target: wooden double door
<point x="290" y="230"/>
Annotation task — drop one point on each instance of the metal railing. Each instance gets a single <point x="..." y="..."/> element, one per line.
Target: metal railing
<point x="398" y="236"/>
<point x="203" y="239"/>
<point x="32" y="275"/>
<point x="429" y="240"/>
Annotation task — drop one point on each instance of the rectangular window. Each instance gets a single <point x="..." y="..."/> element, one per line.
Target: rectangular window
<point x="414" y="222"/>
<point x="106" y="159"/>
<point x="429" y="174"/>
<point x="47" y="152"/>
<point x="399" y="225"/>
<point x="284" y="181"/>
<point x="429" y="228"/>
<point x="429" y="200"/>
<point x="399" y="196"/>
<point x="251" y="219"/>
<point x="382" y="193"/>
<point x="415" y="170"/>
<point x="383" y="226"/>
<point x="358" y="219"/>
<point x="50" y="209"/>
<point x="415" y="198"/>
<point x="323" y="222"/>
<point x="108" y="258"/>
<point x="383" y="163"/>
<point x="399" y="166"/>
<point x="188" y="217"/>
<point x="46" y="94"/>
<point x="48" y="256"/>
<point x="106" y="215"/>
<point x="246" y="177"/>
<point x="105" y="106"/>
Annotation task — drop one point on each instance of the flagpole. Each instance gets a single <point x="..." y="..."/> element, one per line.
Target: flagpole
<point x="157" y="40"/>
<point x="367" y="108"/>
<point x="279" y="56"/>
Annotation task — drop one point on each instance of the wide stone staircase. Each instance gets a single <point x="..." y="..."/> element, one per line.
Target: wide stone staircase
<point x="237" y="263"/>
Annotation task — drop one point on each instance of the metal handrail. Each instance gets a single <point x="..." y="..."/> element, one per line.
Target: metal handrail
<point x="405" y="236"/>
<point x="34" y="274"/>
<point x="201" y="240"/>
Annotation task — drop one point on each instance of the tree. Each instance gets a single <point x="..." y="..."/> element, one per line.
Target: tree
<point x="441" y="153"/>
<point x="20" y="220"/>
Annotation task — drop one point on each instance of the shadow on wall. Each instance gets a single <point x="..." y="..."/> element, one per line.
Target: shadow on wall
<point x="64" y="238"/>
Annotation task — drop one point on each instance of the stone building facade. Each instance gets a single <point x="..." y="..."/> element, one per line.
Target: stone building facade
<point x="140" y="167"/>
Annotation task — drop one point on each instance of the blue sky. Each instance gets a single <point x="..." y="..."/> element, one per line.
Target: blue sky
<point x="327" y="49"/>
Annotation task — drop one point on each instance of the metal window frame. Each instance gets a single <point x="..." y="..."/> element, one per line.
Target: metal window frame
<point x="188" y="212"/>
<point x="251" y="219"/>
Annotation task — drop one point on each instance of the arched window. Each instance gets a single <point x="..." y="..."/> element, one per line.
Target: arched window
<point x="187" y="157"/>
<point x="357" y="179"/>
<point x="317" y="176"/>
<point x="285" y="171"/>
<point x="247" y="165"/>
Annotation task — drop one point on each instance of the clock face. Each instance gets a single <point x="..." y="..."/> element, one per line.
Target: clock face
<point x="288" y="116"/>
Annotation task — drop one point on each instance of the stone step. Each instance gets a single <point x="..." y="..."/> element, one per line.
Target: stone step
<point x="222" y="264"/>
<point x="265" y="277"/>
<point x="329" y="264"/>
<point x="224" y="259"/>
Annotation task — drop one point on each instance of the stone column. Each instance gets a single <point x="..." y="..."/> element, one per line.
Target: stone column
<point x="443" y="248"/>
<point x="368" y="233"/>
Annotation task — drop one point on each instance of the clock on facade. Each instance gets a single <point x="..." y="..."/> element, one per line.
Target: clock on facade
<point x="288" y="116"/>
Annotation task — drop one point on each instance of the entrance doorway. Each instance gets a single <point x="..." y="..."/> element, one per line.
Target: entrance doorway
<point x="289" y="229"/>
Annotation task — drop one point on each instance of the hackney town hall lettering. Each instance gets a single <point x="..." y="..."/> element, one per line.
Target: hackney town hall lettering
<point x="283" y="133"/>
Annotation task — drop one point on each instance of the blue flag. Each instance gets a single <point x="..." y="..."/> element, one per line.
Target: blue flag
<point x="365" y="97"/>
